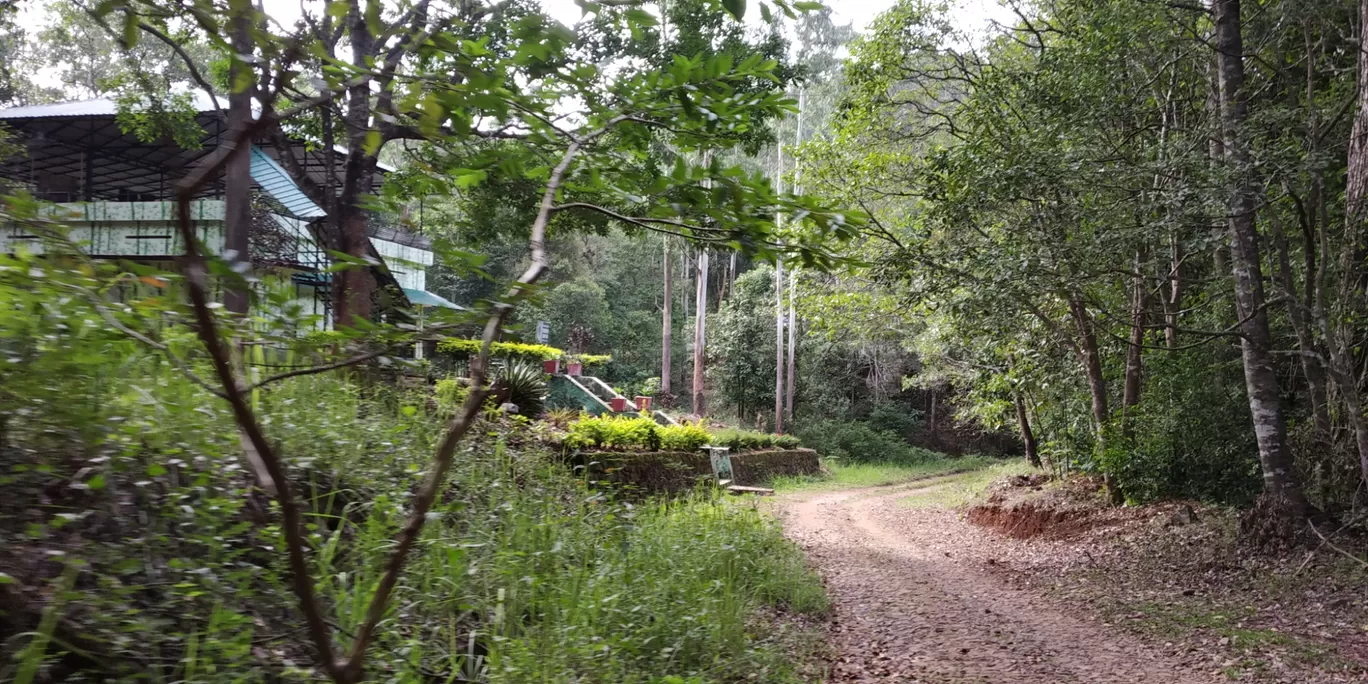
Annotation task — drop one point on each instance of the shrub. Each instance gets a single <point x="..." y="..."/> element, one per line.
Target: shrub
<point x="684" y="437"/>
<point x="607" y="432"/>
<point x="638" y="433"/>
<point x="857" y="442"/>
<point x="562" y="417"/>
<point x="526" y="386"/>
<point x="451" y="394"/>
<point x="895" y="417"/>
<point x="750" y="440"/>
<point x="517" y="351"/>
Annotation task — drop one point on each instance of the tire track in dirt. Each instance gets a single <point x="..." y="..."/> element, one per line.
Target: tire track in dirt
<point x="906" y="609"/>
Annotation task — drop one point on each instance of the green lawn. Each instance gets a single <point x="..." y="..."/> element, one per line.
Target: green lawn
<point x="843" y="475"/>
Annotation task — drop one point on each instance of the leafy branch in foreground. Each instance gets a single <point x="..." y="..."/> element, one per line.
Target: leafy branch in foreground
<point x="476" y="112"/>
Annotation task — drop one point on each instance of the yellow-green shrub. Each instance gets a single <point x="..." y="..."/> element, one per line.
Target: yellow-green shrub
<point x="512" y="350"/>
<point x="451" y="394"/>
<point x="638" y="433"/>
<point x="685" y="437"/>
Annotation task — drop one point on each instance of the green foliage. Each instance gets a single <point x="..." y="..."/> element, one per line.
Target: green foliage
<point x="518" y="351"/>
<point x="750" y="440"/>
<point x="640" y="433"/>
<point x="523" y="573"/>
<point x="451" y="394"/>
<point x="741" y="347"/>
<point x="895" y="417"/>
<point x="526" y="386"/>
<point x="857" y="442"/>
<point x="1190" y="436"/>
<point x="683" y="437"/>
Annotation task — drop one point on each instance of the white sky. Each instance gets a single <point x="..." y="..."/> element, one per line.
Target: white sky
<point x="972" y="16"/>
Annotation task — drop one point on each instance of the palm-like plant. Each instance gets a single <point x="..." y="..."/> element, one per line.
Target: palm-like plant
<point x="525" y="385"/>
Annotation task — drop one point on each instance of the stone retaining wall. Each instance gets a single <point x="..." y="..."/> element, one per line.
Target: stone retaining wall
<point x="677" y="471"/>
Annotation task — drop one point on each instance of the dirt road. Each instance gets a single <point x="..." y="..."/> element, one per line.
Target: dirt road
<point x="912" y="604"/>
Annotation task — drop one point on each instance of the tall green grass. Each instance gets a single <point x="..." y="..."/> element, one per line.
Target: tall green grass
<point x="524" y="574"/>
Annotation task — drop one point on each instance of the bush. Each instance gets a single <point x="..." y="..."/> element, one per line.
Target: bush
<point x="857" y="442"/>
<point x="634" y="434"/>
<point x="517" y="351"/>
<point x="895" y="417"/>
<point x="451" y="394"/>
<point x="1190" y="435"/>
<point x="139" y="547"/>
<point x="526" y="387"/>
<point x="750" y="440"/>
<point x="683" y="437"/>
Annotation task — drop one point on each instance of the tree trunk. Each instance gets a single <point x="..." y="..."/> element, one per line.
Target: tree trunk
<point x="1024" y="424"/>
<point x="1355" y="193"/>
<point x="1091" y="358"/>
<point x="356" y="283"/>
<point x="792" y="346"/>
<point x="1174" y="303"/>
<point x="666" y="322"/>
<point x="1130" y="393"/>
<point x="237" y="174"/>
<point x="1311" y="359"/>
<point x="778" y="346"/>
<point x="700" y="405"/>
<point x="1283" y="492"/>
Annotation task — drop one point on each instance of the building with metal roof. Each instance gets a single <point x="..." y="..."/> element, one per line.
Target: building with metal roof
<point x="117" y="194"/>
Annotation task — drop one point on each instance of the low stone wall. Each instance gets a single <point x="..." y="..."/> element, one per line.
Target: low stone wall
<point x="677" y="471"/>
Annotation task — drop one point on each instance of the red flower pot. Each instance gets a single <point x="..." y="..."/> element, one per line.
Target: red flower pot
<point x="643" y="403"/>
<point x="576" y="368"/>
<point x="618" y="404"/>
<point x="551" y="366"/>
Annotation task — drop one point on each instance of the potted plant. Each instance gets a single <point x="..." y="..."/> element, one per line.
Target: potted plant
<point x="643" y="403"/>
<point x="551" y="366"/>
<point x="618" y="404"/>
<point x="574" y="366"/>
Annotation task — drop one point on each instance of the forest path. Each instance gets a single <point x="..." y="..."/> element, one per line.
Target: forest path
<point x="911" y="605"/>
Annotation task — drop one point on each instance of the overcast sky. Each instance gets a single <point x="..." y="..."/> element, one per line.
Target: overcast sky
<point x="973" y="16"/>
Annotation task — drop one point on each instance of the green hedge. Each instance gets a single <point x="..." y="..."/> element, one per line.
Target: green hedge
<point x="638" y="433"/>
<point x="750" y="440"/>
<point x="533" y="353"/>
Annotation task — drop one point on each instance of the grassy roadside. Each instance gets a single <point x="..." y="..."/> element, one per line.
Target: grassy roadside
<point x="967" y="487"/>
<point x="843" y="475"/>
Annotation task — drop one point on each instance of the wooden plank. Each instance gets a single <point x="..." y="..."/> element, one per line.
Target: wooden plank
<point x="759" y="491"/>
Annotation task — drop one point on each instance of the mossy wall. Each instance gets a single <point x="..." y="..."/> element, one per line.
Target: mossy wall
<point x="677" y="471"/>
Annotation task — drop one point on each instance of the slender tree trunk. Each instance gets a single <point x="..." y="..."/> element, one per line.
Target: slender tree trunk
<point x="1311" y="359"/>
<point x="1130" y="394"/>
<point x="666" y="322"/>
<point x="731" y="276"/>
<point x="1281" y="486"/>
<point x="1028" y="439"/>
<point x="778" y="346"/>
<point x="237" y="178"/>
<point x="792" y="383"/>
<point x="1174" y="303"/>
<point x="1355" y="194"/>
<point x="1091" y="358"/>
<point x="700" y="404"/>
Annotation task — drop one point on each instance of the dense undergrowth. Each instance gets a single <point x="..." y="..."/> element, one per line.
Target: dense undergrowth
<point x="138" y="547"/>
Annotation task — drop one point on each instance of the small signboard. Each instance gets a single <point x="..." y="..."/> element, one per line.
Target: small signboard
<point x="543" y="332"/>
<point x="721" y="463"/>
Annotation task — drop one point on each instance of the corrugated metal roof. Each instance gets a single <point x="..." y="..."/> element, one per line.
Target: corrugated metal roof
<point x="425" y="298"/>
<point x="278" y="184"/>
<point x="107" y="107"/>
<point x="96" y="107"/>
